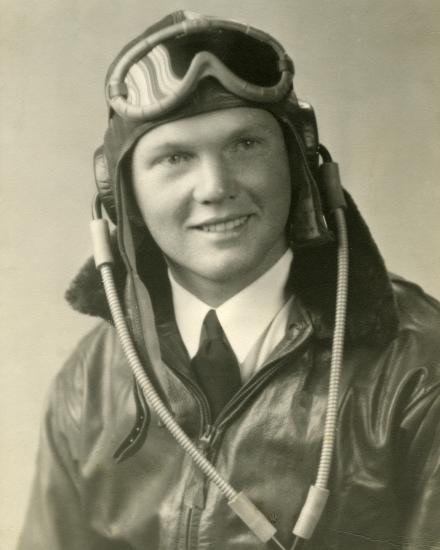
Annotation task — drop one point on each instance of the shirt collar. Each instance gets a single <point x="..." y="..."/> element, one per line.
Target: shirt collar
<point x="243" y="317"/>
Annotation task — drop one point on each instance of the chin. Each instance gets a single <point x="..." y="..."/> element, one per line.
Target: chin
<point x="228" y="271"/>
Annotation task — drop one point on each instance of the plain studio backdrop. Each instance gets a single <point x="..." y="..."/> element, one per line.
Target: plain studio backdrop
<point x="370" y="69"/>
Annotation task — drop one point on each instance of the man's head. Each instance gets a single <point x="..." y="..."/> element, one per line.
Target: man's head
<point x="214" y="191"/>
<point x="200" y="77"/>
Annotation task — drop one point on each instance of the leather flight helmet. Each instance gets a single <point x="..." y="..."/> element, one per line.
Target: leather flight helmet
<point x="136" y="88"/>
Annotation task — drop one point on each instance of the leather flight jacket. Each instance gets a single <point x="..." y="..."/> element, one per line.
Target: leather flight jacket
<point x="110" y="476"/>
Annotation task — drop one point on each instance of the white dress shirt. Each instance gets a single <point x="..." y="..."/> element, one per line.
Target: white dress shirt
<point x="254" y="320"/>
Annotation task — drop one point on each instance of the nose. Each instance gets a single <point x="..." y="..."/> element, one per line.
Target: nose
<point x="215" y="182"/>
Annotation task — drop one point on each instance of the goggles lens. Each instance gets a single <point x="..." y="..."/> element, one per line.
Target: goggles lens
<point x="251" y="59"/>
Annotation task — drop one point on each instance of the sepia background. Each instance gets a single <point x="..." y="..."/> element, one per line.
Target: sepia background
<point x="369" y="67"/>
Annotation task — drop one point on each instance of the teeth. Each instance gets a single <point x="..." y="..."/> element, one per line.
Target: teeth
<point x="225" y="226"/>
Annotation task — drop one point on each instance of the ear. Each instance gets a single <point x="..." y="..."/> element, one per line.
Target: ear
<point x="104" y="182"/>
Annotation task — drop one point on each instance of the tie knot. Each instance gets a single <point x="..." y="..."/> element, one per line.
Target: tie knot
<point x="212" y="326"/>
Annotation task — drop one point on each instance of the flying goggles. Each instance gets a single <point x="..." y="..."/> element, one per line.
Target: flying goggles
<point x="155" y="74"/>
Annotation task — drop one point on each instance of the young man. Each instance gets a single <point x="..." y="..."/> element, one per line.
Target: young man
<point x="226" y="270"/>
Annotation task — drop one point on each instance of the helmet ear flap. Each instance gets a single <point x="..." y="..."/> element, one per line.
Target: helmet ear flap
<point x="307" y="126"/>
<point x="104" y="183"/>
<point x="307" y="223"/>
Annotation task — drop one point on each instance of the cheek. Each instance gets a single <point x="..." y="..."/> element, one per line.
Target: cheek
<point x="277" y="191"/>
<point x="273" y="173"/>
<point x="163" y="213"/>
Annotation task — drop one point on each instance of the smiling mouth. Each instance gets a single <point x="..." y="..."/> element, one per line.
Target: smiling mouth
<point x="224" y="227"/>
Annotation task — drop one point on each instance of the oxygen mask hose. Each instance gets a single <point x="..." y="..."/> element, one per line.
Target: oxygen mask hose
<point x="238" y="501"/>
<point x="318" y="493"/>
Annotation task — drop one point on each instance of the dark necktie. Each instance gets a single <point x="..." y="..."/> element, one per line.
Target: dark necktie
<point x="215" y="365"/>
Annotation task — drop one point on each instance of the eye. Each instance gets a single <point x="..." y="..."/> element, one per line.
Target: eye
<point x="175" y="159"/>
<point x="248" y="143"/>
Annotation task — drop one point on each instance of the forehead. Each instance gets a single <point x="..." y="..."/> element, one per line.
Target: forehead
<point x="211" y="127"/>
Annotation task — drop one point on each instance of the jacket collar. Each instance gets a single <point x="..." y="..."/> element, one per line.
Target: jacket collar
<point x="371" y="312"/>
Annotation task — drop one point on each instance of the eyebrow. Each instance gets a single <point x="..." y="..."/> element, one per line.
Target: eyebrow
<point x="251" y="127"/>
<point x="180" y="143"/>
<point x="164" y="146"/>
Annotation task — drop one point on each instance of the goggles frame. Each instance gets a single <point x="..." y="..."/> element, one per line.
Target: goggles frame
<point x="203" y="64"/>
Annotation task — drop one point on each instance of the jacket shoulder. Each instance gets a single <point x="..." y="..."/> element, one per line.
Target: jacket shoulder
<point x="91" y="352"/>
<point x="84" y="369"/>
<point x="418" y="338"/>
<point x="418" y="311"/>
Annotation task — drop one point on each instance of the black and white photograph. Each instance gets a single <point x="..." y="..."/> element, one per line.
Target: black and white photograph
<point x="220" y="260"/>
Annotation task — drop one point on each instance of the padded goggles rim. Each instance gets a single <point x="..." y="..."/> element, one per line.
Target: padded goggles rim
<point x="203" y="64"/>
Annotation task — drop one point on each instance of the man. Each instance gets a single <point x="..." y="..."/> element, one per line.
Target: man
<point x="226" y="267"/>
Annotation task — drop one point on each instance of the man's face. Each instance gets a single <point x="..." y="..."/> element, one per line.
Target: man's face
<point x="214" y="190"/>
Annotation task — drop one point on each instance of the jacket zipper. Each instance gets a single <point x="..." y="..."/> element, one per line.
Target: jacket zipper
<point x="205" y="445"/>
<point x="191" y="515"/>
<point x="208" y="441"/>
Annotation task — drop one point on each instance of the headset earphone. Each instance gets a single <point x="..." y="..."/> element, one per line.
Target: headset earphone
<point x="103" y="183"/>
